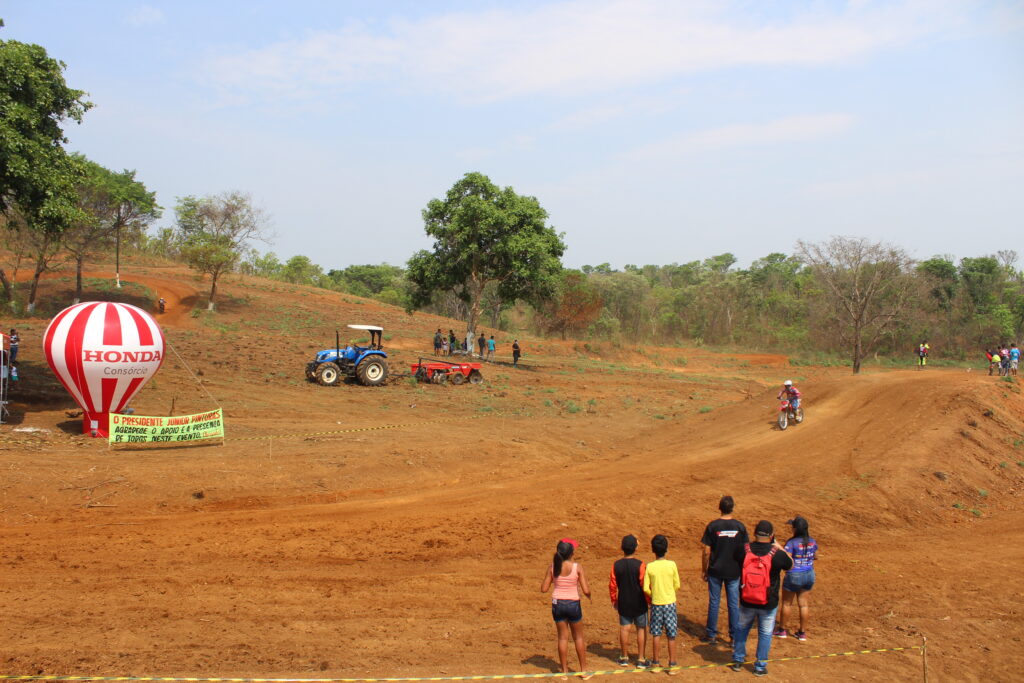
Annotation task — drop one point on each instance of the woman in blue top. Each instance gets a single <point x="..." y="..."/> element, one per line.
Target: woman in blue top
<point x="800" y="579"/>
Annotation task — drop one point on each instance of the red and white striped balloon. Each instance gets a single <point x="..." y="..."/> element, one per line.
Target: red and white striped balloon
<point x="103" y="353"/>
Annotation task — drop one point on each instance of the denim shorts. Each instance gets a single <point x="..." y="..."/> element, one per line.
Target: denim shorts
<point x="640" y="621"/>
<point x="798" y="582"/>
<point x="566" y="610"/>
<point x="664" y="618"/>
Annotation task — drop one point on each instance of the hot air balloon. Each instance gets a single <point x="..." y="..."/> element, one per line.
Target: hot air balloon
<point x="103" y="353"/>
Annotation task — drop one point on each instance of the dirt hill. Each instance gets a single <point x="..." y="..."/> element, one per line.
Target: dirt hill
<point x="298" y="549"/>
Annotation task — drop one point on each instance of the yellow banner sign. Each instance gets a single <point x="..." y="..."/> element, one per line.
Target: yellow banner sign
<point x="144" y="429"/>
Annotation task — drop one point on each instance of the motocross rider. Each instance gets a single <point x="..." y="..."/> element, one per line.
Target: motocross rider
<point x="790" y="392"/>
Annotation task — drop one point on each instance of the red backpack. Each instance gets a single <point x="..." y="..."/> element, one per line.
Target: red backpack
<point x="756" y="576"/>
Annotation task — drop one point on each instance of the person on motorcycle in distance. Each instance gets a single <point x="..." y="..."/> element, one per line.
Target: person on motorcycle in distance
<point x="790" y="392"/>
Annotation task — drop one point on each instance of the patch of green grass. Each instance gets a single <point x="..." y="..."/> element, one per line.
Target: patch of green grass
<point x="659" y="416"/>
<point x="705" y="409"/>
<point x="486" y="409"/>
<point x="572" y="408"/>
<point x="959" y="506"/>
<point x="681" y="361"/>
<point x="548" y="403"/>
<point x="983" y="493"/>
<point x="976" y="512"/>
<point x="1004" y="465"/>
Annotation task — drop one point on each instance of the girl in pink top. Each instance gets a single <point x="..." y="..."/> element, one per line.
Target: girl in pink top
<point x="568" y="581"/>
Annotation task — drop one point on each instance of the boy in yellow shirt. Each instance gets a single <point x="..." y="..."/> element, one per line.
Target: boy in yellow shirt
<point x="661" y="581"/>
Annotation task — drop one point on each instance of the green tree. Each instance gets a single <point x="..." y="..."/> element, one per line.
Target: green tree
<point x="485" y="235"/>
<point x="300" y="270"/>
<point x="109" y="202"/>
<point x="215" y="231"/>
<point x="867" y="286"/>
<point x="36" y="175"/>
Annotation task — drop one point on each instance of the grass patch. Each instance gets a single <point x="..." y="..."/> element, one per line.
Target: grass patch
<point x="959" y="506"/>
<point x="705" y="409"/>
<point x="983" y="493"/>
<point x="976" y="512"/>
<point x="572" y="408"/>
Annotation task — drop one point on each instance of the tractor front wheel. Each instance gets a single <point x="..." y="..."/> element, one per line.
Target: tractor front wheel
<point x="372" y="372"/>
<point x="327" y="374"/>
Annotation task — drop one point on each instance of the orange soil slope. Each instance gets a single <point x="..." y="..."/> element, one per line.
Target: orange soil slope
<point x="418" y="551"/>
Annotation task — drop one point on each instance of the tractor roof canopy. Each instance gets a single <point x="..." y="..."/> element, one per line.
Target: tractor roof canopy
<point x="375" y="328"/>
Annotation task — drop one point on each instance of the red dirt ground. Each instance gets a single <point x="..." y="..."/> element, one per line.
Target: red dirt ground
<point x="419" y="550"/>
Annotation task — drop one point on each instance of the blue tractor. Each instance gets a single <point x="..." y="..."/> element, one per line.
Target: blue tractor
<point x="367" y="364"/>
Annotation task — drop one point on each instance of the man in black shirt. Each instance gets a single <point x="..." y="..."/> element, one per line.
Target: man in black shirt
<point x="626" y="587"/>
<point x="719" y="567"/>
<point x="764" y="545"/>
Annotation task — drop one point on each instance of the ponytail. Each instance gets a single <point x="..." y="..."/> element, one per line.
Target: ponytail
<point x="562" y="553"/>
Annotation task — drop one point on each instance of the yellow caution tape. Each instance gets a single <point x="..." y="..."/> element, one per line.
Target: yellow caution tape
<point x="354" y="430"/>
<point x="612" y="672"/>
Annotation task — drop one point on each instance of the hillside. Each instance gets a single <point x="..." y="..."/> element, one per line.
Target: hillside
<point x="417" y="550"/>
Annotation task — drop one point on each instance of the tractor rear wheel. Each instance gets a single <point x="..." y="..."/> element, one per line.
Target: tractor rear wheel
<point x="372" y="372"/>
<point x="458" y="378"/>
<point x="476" y="378"/>
<point x="327" y="374"/>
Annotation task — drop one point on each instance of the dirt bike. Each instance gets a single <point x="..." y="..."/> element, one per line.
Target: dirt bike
<point x="787" y="412"/>
<point x="163" y="304"/>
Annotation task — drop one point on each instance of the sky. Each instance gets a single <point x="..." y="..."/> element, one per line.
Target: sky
<point x="652" y="132"/>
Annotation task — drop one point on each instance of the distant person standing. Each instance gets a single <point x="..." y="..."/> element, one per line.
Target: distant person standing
<point x="799" y="581"/>
<point x="1004" y="359"/>
<point x="515" y="353"/>
<point x="922" y="354"/>
<point x="437" y="342"/>
<point x="452" y="344"/>
<point x="993" y="361"/>
<point x="719" y="568"/>
<point x="15" y="340"/>
<point x="445" y="349"/>
<point x="626" y="588"/>
<point x="490" y="348"/>
<point x="762" y="561"/>
<point x="481" y="344"/>
<point x="1014" y="358"/>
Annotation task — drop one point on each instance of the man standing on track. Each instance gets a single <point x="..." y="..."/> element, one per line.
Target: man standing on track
<point x="722" y="538"/>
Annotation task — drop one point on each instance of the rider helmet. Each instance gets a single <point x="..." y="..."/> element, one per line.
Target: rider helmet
<point x="788" y="383"/>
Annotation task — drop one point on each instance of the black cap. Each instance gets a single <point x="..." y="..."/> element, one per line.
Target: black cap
<point x="764" y="528"/>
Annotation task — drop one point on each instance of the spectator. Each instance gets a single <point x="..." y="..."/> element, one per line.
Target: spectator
<point x="451" y="340"/>
<point x="490" y="348"/>
<point x="1014" y="358"/>
<point x="515" y="353"/>
<point x="922" y="354"/>
<point x="568" y="581"/>
<point x="661" y="581"/>
<point x="437" y="342"/>
<point x="626" y="587"/>
<point x="799" y="581"/>
<point x="444" y="346"/>
<point x="14" y="340"/>
<point x="1004" y="360"/>
<point x="993" y="361"/>
<point x="481" y="344"/>
<point x="762" y="562"/>
<point x="722" y="538"/>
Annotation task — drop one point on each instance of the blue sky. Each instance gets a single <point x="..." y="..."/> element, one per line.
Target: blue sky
<point x="652" y="132"/>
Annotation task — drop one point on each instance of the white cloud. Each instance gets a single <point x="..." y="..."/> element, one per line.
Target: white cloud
<point x="144" y="15"/>
<point x="789" y="129"/>
<point x="568" y="48"/>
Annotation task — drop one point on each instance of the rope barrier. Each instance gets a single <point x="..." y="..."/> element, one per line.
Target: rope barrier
<point x="576" y="674"/>
<point x="186" y="366"/>
<point x="375" y="428"/>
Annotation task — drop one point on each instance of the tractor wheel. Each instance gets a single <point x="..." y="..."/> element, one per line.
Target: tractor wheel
<point x="476" y="378"/>
<point x="327" y="374"/>
<point x="311" y="372"/>
<point x="458" y="378"/>
<point x="372" y="372"/>
<point x="421" y="375"/>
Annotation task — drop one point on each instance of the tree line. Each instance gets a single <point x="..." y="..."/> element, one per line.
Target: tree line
<point x="494" y="256"/>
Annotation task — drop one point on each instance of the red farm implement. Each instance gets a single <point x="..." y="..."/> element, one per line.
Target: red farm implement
<point x="442" y="372"/>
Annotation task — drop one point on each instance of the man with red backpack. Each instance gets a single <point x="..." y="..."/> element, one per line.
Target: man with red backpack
<point x="762" y="562"/>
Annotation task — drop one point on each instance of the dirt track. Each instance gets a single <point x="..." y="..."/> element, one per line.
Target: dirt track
<point x="419" y="550"/>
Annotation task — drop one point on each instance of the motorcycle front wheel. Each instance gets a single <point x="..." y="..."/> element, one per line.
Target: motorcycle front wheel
<point x="783" y="419"/>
